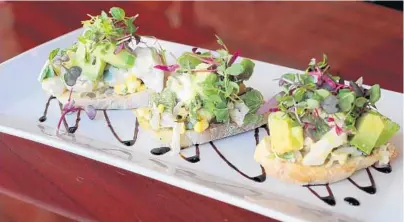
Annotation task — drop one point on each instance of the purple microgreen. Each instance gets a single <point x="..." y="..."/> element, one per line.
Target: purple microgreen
<point x="329" y="81"/>
<point x="234" y="57"/>
<point x="123" y="37"/>
<point x="91" y="111"/>
<point x="170" y="68"/>
<point x="119" y="48"/>
<point x="194" y="50"/>
<point x="64" y="113"/>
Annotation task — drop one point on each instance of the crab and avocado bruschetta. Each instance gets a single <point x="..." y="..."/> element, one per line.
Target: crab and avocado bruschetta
<point x="324" y="130"/>
<point x="106" y="68"/>
<point x="205" y="100"/>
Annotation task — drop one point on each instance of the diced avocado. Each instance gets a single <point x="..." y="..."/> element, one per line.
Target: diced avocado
<point x="297" y="135"/>
<point x="285" y="136"/>
<point x="124" y="59"/>
<point x="92" y="67"/>
<point x="370" y="126"/>
<point x="390" y="128"/>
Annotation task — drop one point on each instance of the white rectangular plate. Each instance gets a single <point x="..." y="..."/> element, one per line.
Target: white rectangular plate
<point x="23" y="101"/>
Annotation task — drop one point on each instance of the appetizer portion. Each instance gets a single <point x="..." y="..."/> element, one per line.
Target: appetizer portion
<point x="205" y="100"/>
<point x="324" y="129"/>
<point x="107" y="67"/>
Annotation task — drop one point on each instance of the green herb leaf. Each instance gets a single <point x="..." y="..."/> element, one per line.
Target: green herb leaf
<point x="248" y="69"/>
<point x="117" y="13"/>
<point x="223" y="53"/>
<point x="323" y="63"/>
<point x="298" y="94"/>
<point x="47" y="73"/>
<point x="346" y="100"/>
<point x="374" y="93"/>
<point x="187" y="61"/>
<point x="253" y="99"/>
<point x="321" y="127"/>
<point x="235" y="69"/>
<point x="252" y="118"/>
<point x="53" y="54"/>
<point x="360" y="101"/>
<point x="222" y="112"/>
<point x="312" y="104"/>
<point x="104" y="15"/>
<point x="82" y="39"/>
<point x="130" y="26"/>
<point x="166" y="97"/>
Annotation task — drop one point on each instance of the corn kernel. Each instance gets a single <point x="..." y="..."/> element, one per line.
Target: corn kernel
<point x="130" y="78"/>
<point x="120" y="89"/>
<point x="144" y="123"/>
<point x="141" y="88"/>
<point x="161" y="108"/>
<point x="201" y="126"/>
<point x="133" y="86"/>
<point x="142" y="112"/>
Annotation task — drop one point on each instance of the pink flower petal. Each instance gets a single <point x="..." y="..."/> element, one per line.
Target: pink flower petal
<point x="170" y="68"/>
<point x="234" y="57"/>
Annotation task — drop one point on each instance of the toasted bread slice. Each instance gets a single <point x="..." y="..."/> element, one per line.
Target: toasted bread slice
<point x="214" y="132"/>
<point x="112" y="101"/>
<point x="299" y="174"/>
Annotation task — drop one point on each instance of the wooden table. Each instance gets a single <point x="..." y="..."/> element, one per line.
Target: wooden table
<point x="39" y="183"/>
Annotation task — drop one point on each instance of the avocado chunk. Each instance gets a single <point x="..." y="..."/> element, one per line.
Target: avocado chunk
<point x="370" y="126"/>
<point x="124" y="59"/>
<point x="286" y="136"/>
<point x="390" y="128"/>
<point x="92" y="66"/>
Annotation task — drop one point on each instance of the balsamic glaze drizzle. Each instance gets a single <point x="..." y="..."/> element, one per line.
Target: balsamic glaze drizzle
<point x="195" y="158"/>
<point x="45" y="112"/>
<point x="369" y="189"/>
<point x="124" y="142"/>
<point x="160" y="150"/>
<point x="385" y="169"/>
<point x="352" y="201"/>
<point x="265" y="126"/>
<point x="330" y="199"/>
<point x="260" y="178"/>
<point x="73" y="129"/>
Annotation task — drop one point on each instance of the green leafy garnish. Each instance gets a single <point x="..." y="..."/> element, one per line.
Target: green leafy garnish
<point x="235" y="69"/>
<point x="188" y="62"/>
<point x="360" y="101"/>
<point x="374" y="93"/>
<point x="248" y="66"/>
<point x="117" y="13"/>
<point x="346" y="100"/>
<point x="253" y="99"/>
<point x="53" y="54"/>
<point x="105" y="29"/>
<point x="166" y="98"/>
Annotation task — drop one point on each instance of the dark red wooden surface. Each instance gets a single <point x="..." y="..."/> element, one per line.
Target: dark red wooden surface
<point x="39" y="183"/>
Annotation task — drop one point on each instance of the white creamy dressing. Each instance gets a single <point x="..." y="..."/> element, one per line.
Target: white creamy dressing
<point x="54" y="85"/>
<point x="320" y="150"/>
<point x="238" y="113"/>
<point x="144" y="69"/>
